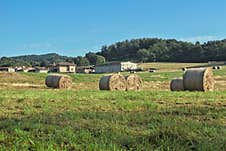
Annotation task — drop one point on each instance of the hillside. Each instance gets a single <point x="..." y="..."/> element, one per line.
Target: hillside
<point x="136" y="50"/>
<point x="34" y="60"/>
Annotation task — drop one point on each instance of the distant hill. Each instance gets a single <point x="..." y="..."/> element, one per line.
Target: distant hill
<point x="34" y="60"/>
<point x="136" y="50"/>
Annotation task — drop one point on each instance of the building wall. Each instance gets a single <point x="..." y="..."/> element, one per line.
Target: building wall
<point x="72" y="68"/>
<point x="7" y="69"/>
<point x="11" y="70"/>
<point x="108" y="68"/>
<point x="62" y="69"/>
<point x="66" y="69"/>
<point x="42" y="71"/>
<point x="125" y="66"/>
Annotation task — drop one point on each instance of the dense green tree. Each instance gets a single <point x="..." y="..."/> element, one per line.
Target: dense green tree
<point x="95" y="59"/>
<point x="171" y="50"/>
<point x="143" y="55"/>
<point x="33" y="60"/>
<point x="91" y="57"/>
<point x="99" y="60"/>
<point x="76" y="60"/>
<point x="44" y="64"/>
<point x="83" y="61"/>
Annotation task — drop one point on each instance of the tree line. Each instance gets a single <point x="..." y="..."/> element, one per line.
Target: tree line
<point x="52" y="58"/>
<point x="159" y="50"/>
<point x="136" y="50"/>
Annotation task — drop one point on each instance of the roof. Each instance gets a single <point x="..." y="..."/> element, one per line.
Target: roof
<point x="65" y="64"/>
<point x="30" y="68"/>
<point x="41" y="68"/>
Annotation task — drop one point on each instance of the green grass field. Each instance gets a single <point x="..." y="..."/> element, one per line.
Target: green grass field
<point x="84" y="118"/>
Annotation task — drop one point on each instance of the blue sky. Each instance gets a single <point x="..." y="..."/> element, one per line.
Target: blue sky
<point x="74" y="27"/>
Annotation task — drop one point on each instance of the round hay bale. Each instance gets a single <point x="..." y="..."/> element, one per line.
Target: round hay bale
<point x="219" y="67"/>
<point x="177" y="85"/>
<point x="113" y="82"/>
<point x="133" y="82"/>
<point x="200" y="79"/>
<point x="152" y="71"/>
<point x="58" y="81"/>
<point x="214" y="67"/>
<point x="184" y="69"/>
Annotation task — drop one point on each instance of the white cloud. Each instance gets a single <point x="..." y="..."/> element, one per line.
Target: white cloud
<point x="201" y="39"/>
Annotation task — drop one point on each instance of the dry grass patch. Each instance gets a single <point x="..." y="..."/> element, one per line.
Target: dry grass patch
<point x="169" y="66"/>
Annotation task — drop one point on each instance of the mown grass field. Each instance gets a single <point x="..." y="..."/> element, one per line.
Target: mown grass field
<point x="33" y="117"/>
<point x="169" y="66"/>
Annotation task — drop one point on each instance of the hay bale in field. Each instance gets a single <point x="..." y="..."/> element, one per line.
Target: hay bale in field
<point x="58" y="81"/>
<point x="113" y="82"/>
<point x="184" y="69"/>
<point x="200" y="79"/>
<point x="219" y="67"/>
<point x="133" y="82"/>
<point x="152" y="71"/>
<point x="177" y="85"/>
<point x="214" y="67"/>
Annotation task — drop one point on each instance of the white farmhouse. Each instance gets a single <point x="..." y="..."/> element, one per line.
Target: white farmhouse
<point x="115" y="67"/>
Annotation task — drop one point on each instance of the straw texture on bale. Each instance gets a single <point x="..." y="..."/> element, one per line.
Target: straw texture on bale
<point x="113" y="82"/>
<point x="133" y="82"/>
<point x="177" y="85"/>
<point x="200" y="79"/>
<point x="58" y="81"/>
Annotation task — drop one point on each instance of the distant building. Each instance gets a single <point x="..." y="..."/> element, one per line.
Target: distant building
<point x="41" y="70"/>
<point x="7" y="69"/>
<point x="63" y="67"/>
<point x="30" y="69"/>
<point x="115" y="67"/>
<point x="216" y="62"/>
<point x="152" y="69"/>
<point x="21" y="69"/>
<point x="85" y="69"/>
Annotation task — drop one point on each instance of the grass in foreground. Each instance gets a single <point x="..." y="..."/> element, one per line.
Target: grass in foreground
<point x="101" y="120"/>
<point x="87" y="119"/>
